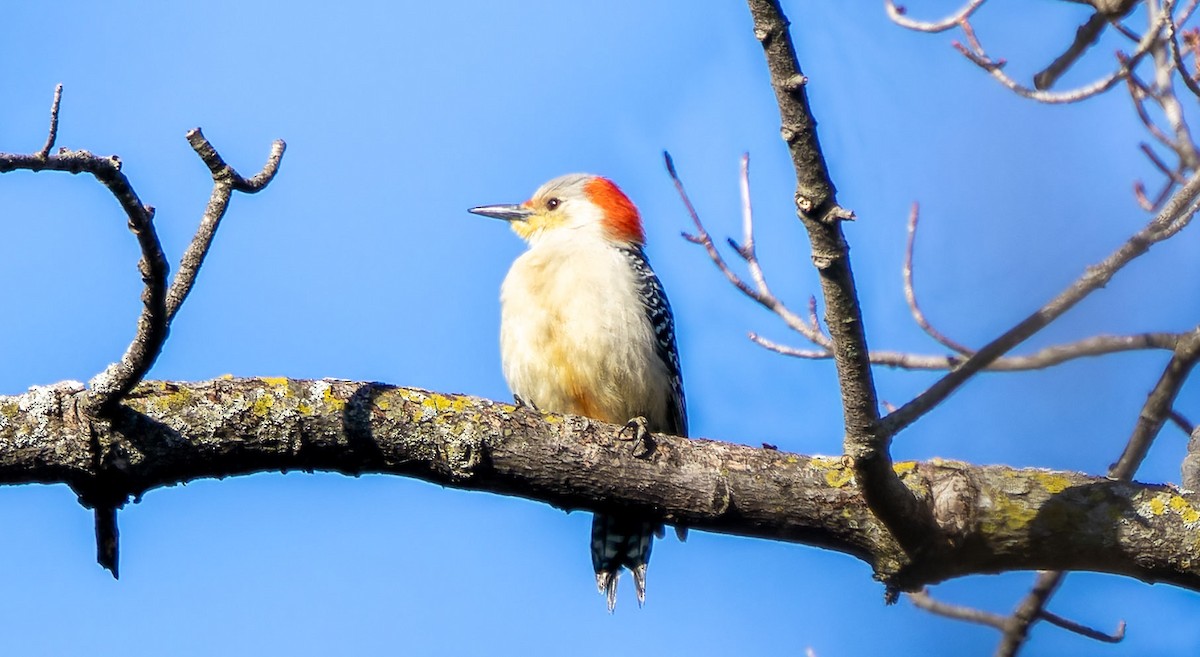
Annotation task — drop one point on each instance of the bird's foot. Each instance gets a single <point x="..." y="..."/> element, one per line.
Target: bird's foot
<point x="636" y="431"/>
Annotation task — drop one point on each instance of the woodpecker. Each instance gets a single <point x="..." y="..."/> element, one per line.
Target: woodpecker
<point x="586" y="329"/>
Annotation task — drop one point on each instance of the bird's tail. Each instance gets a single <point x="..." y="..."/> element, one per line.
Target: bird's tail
<point x="621" y="540"/>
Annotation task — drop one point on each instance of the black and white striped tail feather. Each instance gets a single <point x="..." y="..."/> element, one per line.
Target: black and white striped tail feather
<point x="621" y="541"/>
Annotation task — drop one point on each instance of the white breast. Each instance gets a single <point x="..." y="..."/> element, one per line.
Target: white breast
<point x="574" y="335"/>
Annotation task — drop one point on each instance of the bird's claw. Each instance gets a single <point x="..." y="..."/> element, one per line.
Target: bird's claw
<point x="636" y="430"/>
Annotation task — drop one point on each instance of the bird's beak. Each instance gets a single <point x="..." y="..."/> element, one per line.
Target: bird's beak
<point x="505" y="212"/>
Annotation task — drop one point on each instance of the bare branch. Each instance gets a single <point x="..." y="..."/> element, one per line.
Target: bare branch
<point x="119" y="378"/>
<point x="910" y="291"/>
<point x="865" y="441"/>
<point x="899" y="17"/>
<point x="172" y="432"/>
<point x="225" y="181"/>
<point x="1174" y="177"/>
<point x="52" y="135"/>
<point x="1014" y="630"/>
<point x="1165" y="74"/>
<point x="222" y="171"/>
<point x="1182" y="422"/>
<point x="1176" y="214"/>
<point x="761" y="292"/>
<point x="1098" y="345"/>
<point x="811" y="354"/>
<point x="1139" y="92"/>
<point x="976" y="54"/>
<point x="1176" y="56"/>
<point x="923" y="600"/>
<point x="1085" y="37"/>
<point x="1047" y="357"/>
<point x="996" y="69"/>
<point x="1028" y="612"/>
<point x="1083" y="630"/>
<point x="1157" y="408"/>
<point x="1033" y="608"/>
<point x="110" y="385"/>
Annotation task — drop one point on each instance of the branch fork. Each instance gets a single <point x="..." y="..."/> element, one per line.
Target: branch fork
<point x="159" y="303"/>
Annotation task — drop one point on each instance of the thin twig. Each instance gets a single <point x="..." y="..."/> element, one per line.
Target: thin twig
<point x="923" y="600"/>
<point x="1176" y="56"/>
<point x="899" y="17"/>
<point x="810" y="354"/>
<point x="910" y="290"/>
<point x="119" y="377"/>
<point x="996" y="70"/>
<point x="1139" y="92"/>
<point x="761" y="292"/>
<point x="1175" y="177"/>
<point x="1182" y="422"/>
<point x="1083" y="630"/>
<point x="1098" y="345"/>
<point x="52" y="136"/>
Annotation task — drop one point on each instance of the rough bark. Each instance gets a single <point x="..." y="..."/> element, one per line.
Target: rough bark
<point x="990" y="518"/>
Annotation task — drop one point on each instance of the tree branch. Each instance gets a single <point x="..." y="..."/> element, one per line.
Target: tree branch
<point x="1157" y="408"/>
<point x="761" y="291"/>
<point x="991" y="519"/>
<point x="52" y="135"/>
<point x="899" y="16"/>
<point x="1097" y="345"/>
<point x="1176" y="214"/>
<point x="974" y="52"/>
<point x="865" y="442"/>
<point x="119" y="377"/>
<point x="226" y="180"/>
<point x="910" y="289"/>
<point x="922" y="600"/>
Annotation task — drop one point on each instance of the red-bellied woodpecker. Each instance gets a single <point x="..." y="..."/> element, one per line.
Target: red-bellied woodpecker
<point x="586" y="329"/>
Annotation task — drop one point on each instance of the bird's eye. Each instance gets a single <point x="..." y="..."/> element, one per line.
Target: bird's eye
<point x="553" y="203"/>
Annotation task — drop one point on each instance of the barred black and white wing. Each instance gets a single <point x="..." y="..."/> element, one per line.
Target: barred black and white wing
<point x="658" y="312"/>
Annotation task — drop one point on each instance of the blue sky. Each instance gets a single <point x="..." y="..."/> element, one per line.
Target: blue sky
<point x="360" y="262"/>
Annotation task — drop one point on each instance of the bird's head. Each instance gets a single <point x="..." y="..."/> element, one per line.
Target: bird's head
<point x="592" y="205"/>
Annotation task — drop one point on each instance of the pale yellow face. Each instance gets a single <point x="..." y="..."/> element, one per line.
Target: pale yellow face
<point x="549" y="213"/>
<point x="539" y="221"/>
